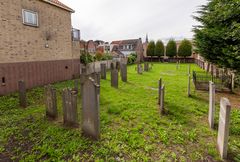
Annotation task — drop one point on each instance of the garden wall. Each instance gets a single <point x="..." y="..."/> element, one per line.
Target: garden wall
<point x="36" y="73"/>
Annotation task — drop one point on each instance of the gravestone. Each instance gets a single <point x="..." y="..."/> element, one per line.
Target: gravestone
<point x="118" y="65"/>
<point x="223" y="127"/>
<point x="51" y="102"/>
<point x="114" y="78"/>
<point x="189" y="82"/>
<point x="96" y="77"/>
<point x="90" y="108"/>
<point x="70" y="114"/>
<point x="76" y="82"/>
<point x="22" y="94"/>
<point x="159" y="90"/>
<point x="139" y="69"/>
<point x="162" y="110"/>
<point x="103" y="71"/>
<point x="146" y="66"/>
<point x="114" y="75"/>
<point x="124" y="72"/>
<point x="211" y="104"/>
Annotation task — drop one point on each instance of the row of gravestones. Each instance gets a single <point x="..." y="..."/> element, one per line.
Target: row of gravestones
<point x="90" y="92"/>
<point x="224" y="120"/>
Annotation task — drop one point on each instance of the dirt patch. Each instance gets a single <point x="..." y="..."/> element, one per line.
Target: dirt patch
<point x="233" y="98"/>
<point x="5" y="158"/>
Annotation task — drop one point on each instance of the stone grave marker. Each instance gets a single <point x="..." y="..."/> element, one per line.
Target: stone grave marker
<point x="211" y="111"/>
<point x="162" y="109"/>
<point x="114" y="75"/>
<point x="70" y="113"/>
<point x="76" y="82"/>
<point x="103" y="71"/>
<point x="159" y="90"/>
<point x="51" y="102"/>
<point x="90" y="108"/>
<point x="124" y="72"/>
<point x="139" y="69"/>
<point x="189" y="82"/>
<point x="146" y="66"/>
<point x="223" y="127"/>
<point x="22" y="94"/>
<point x="96" y="77"/>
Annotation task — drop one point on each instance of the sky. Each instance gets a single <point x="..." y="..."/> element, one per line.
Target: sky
<point x="110" y="20"/>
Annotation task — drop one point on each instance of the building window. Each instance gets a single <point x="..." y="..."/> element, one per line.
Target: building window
<point x="75" y="34"/>
<point x="30" y="18"/>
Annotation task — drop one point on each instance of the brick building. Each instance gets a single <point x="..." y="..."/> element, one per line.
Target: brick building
<point x="127" y="47"/>
<point x="36" y="43"/>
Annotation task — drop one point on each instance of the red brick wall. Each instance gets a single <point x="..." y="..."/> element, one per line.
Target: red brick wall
<point x="36" y="73"/>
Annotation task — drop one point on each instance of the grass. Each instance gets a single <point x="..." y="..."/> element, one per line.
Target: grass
<point x="131" y="125"/>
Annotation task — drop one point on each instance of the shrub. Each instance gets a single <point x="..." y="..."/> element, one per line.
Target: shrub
<point x="171" y="49"/>
<point x="98" y="56"/>
<point x="86" y="58"/>
<point x="132" y="58"/>
<point x="107" y="56"/>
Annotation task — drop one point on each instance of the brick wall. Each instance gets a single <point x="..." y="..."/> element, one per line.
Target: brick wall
<point x="36" y="73"/>
<point x="21" y="43"/>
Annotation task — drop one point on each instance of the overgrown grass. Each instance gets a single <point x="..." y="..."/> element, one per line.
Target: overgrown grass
<point x="131" y="125"/>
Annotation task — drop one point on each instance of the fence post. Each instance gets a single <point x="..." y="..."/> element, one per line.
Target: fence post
<point x="162" y="110"/>
<point x="159" y="90"/>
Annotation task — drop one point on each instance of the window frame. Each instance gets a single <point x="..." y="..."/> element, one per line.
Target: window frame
<point x="24" y="18"/>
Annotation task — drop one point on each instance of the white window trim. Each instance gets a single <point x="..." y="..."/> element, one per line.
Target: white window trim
<point x="23" y="18"/>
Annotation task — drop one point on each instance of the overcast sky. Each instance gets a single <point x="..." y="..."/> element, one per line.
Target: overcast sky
<point x="125" y="19"/>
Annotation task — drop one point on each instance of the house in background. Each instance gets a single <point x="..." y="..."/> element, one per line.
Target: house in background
<point x="38" y="44"/>
<point x="124" y="48"/>
<point x="91" y="47"/>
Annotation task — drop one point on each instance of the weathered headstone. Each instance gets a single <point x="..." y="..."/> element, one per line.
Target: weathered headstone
<point x="22" y="94"/>
<point x="124" y="72"/>
<point x="90" y="108"/>
<point x="103" y="71"/>
<point x="159" y="90"/>
<point x="223" y="127"/>
<point x="51" y="102"/>
<point x="96" y="77"/>
<point x="189" y="82"/>
<point x="70" y="114"/>
<point x="211" y="104"/>
<point x="139" y="69"/>
<point x="114" y="78"/>
<point x="76" y="82"/>
<point x="162" y="110"/>
<point x="146" y="66"/>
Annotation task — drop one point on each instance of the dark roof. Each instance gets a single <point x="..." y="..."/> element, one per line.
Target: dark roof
<point x="59" y="4"/>
<point x="124" y="42"/>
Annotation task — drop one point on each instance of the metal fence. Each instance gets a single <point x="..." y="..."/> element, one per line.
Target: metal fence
<point x="201" y="80"/>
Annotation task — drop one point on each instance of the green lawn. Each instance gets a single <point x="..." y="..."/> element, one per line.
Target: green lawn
<point x="131" y="125"/>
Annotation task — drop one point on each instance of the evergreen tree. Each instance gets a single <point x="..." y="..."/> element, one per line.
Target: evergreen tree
<point x="171" y="49"/>
<point x="185" y="48"/>
<point x="217" y="39"/>
<point x="159" y="49"/>
<point x="151" y="48"/>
